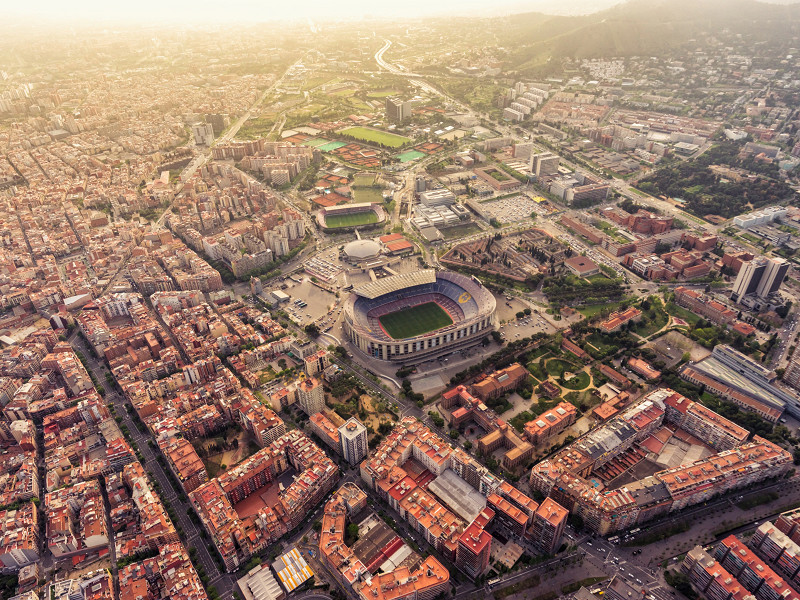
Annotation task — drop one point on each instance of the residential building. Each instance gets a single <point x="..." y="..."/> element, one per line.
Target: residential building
<point x="184" y="462"/>
<point x="353" y="438"/>
<point x="475" y="546"/>
<point x="311" y="395"/>
<point x="548" y="526"/>
<point x="325" y="430"/>
<point x="566" y="477"/>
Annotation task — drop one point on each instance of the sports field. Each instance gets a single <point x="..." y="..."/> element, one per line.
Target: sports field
<point x="373" y="135"/>
<point x="327" y="147"/>
<point x="410" y="155"/>
<point x="416" y="320"/>
<point x="352" y="220"/>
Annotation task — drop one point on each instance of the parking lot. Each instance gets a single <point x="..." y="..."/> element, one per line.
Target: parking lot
<point x="510" y="210"/>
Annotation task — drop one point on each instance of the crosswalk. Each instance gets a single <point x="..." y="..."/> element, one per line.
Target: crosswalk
<point x="659" y="593"/>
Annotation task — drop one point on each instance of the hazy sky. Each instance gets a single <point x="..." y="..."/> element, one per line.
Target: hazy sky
<point x="194" y="11"/>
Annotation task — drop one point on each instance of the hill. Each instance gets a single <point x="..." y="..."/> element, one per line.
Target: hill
<point x="640" y="27"/>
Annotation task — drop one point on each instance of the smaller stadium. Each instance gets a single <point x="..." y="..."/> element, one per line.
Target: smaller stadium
<point x="350" y="216"/>
<point x="419" y="315"/>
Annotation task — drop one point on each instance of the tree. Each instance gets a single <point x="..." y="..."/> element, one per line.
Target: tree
<point x="454" y="434"/>
<point x="312" y="329"/>
<point x="351" y="534"/>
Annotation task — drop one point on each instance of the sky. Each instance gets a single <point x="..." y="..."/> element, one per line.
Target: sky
<point x="199" y="11"/>
<point x="190" y="12"/>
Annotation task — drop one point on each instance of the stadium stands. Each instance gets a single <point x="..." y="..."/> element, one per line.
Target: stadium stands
<point x="470" y="306"/>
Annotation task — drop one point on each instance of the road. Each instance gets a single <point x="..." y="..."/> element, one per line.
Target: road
<point x="199" y="160"/>
<point x="223" y="582"/>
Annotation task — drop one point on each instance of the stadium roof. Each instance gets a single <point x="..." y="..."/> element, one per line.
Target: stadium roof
<point x="362" y="249"/>
<point x="395" y="283"/>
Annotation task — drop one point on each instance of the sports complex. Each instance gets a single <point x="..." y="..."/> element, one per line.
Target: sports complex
<point x="350" y="216"/>
<point x="417" y="316"/>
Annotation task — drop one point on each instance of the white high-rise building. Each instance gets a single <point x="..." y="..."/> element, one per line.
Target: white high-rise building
<point x="774" y="274"/>
<point x="353" y="437"/>
<point x="760" y="276"/>
<point x="544" y="164"/>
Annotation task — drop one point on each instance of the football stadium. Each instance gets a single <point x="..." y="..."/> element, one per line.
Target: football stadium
<point x="349" y="216"/>
<point x="417" y="316"/>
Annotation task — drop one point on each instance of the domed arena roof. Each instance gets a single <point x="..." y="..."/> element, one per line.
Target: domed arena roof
<point x="362" y="249"/>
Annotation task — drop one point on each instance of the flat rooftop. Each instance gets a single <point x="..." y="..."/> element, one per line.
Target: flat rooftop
<point x="374" y="536"/>
<point x="458" y="495"/>
<point x="721" y="372"/>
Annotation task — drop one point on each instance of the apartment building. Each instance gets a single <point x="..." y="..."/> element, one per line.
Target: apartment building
<point x="475" y="546"/>
<point x="564" y="476"/>
<point x="311" y="395"/>
<point x="548" y="526"/>
<point x="326" y="431"/>
<point x="184" y="463"/>
<point x="353" y="438"/>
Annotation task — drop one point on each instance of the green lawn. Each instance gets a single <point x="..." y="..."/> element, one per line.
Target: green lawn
<point x="682" y="313"/>
<point x="352" y="220"/>
<point x="367" y="194"/>
<point x="556" y="367"/>
<point x="363" y="179"/>
<point x="592" y="309"/>
<point x="579" y="382"/>
<point x="381" y="94"/>
<point x="379" y="137"/>
<point x="414" y="321"/>
<point x="536" y="369"/>
<point x="598" y="340"/>
<point x="652" y="320"/>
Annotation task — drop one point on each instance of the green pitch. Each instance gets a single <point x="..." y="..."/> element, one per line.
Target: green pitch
<point x="351" y="220"/>
<point x="365" y="134"/>
<point x="414" y="321"/>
